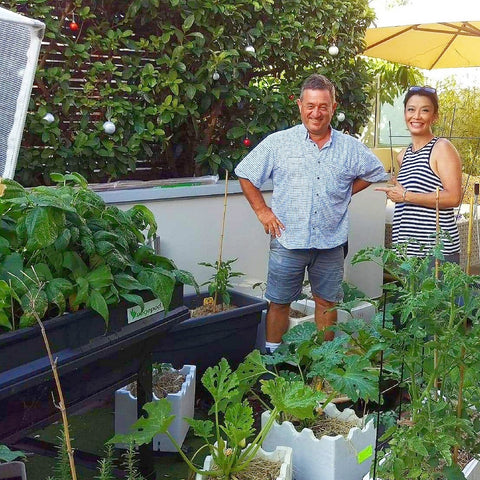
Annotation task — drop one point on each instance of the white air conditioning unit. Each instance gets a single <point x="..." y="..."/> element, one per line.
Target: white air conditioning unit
<point x="20" y="40"/>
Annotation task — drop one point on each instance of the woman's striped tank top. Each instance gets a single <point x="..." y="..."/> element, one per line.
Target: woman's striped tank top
<point x="415" y="224"/>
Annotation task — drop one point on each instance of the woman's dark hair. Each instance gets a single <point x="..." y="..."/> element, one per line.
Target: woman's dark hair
<point x="429" y="92"/>
<point x="318" y="82"/>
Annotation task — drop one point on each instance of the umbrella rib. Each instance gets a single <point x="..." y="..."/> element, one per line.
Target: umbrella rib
<point x="447" y="46"/>
<point x="460" y="30"/>
<point x="467" y="29"/>
<point x="386" y="39"/>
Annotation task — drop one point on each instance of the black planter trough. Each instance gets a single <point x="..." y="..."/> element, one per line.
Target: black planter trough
<point x="70" y="331"/>
<point x="92" y="370"/>
<point x="203" y="341"/>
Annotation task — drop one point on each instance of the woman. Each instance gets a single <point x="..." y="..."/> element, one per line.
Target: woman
<point x="427" y="163"/>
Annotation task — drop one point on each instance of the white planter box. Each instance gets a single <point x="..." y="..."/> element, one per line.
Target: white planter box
<point x="305" y="306"/>
<point x="283" y="454"/>
<point x="363" y="310"/>
<point x="471" y="471"/>
<point x="327" y="458"/>
<point x="182" y="402"/>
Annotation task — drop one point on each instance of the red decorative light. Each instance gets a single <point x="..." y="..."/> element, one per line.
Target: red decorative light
<point x="247" y="142"/>
<point x="73" y="26"/>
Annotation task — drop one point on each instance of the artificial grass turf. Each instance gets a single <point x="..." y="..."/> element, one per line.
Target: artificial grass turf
<point x="90" y="431"/>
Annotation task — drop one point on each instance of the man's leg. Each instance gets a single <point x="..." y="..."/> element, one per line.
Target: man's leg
<point x="326" y="274"/>
<point x="277" y="321"/>
<point x="324" y="317"/>
<point x="286" y="271"/>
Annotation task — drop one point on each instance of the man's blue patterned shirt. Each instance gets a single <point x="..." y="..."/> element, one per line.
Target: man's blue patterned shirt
<point x="312" y="187"/>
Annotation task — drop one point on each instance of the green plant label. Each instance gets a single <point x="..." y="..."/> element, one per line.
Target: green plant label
<point x="365" y="454"/>
<point x="136" y="313"/>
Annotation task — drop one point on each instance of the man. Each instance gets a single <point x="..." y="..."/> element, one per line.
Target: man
<point x="315" y="170"/>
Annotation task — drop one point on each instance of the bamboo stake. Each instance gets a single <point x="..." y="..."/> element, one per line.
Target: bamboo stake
<point x="61" y="403"/>
<point x="462" y="352"/>
<point x="222" y="233"/>
<point x="469" y="238"/>
<point x="437" y="211"/>
<point x="437" y="269"/>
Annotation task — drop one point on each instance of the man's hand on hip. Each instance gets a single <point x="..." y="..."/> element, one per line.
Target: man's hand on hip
<point x="272" y="225"/>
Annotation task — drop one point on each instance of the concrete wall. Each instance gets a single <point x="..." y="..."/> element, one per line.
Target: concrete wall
<point x="189" y="226"/>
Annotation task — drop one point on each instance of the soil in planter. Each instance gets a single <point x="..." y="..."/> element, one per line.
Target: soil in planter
<point x="163" y="384"/>
<point x="296" y="313"/>
<point x="331" y="427"/>
<point x="205" y="310"/>
<point x="258" y="469"/>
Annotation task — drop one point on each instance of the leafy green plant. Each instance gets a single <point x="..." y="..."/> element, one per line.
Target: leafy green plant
<point x="345" y="366"/>
<point x="7" y="455"/>
<point x="66" y="249"/>
<point x="437" y="323"/>
<point x="228" y="437"/>
<point x="219" y="282"/>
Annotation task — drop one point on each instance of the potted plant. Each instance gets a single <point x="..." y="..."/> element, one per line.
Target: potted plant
<point x="229" y="437"/>
<point x="84" y="269"/>
<point x="434" y="343"/>
<point x="344" y="369"/>
<point x="64" y="247"/>
<point x="229" y="333"/>
<point x="225" y="327"/>
<point x="177" y="386"/>
<point x="354" y="305"/>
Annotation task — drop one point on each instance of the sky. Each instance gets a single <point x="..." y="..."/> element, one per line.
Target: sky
<point x="435" y="10"/>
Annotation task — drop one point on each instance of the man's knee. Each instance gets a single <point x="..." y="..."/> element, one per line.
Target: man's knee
<point x="279" y="307"/>
<point x="322" y="303"/>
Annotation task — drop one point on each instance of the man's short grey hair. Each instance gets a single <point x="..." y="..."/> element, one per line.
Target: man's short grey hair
<point x="318" y="82"/>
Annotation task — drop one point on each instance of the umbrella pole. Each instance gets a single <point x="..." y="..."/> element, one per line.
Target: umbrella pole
<point x="451" y="123"/>
<point x="392" y="168"/>
<point x="377" y="113"/>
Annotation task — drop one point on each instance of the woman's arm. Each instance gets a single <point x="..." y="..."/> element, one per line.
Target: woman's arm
<point x="446" y="163"/>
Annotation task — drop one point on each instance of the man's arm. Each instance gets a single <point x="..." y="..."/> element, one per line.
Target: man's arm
<point x="268" y="219"/>
<point x="359" y="185"/>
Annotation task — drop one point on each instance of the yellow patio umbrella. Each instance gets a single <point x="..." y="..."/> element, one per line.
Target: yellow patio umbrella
<point x="434" y="38"/>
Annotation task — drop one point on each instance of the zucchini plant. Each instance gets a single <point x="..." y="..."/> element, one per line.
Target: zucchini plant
<point x="229" y="436"/>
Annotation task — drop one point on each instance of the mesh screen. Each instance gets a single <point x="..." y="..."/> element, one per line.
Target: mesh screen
<point x="20" y="40"/>
<point x="13" y="60"/>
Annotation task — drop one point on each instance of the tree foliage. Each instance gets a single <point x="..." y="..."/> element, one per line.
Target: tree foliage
<point x="459" y="120"/>
<point x="177" y="79"/>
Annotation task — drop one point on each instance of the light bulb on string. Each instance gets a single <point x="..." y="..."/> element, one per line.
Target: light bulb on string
<point x="333" y="50"/>
<point x="340" y="116"/>
<point x="250" y="49"/>
<point x="109" y="127"/>
<point x="48" y="117"/>
<point x="215" y="75"/>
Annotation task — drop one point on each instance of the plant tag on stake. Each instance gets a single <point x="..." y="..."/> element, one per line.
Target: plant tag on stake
<point x="207" y="301"/>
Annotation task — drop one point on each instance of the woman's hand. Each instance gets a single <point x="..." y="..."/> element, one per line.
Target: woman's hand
<point x="395" y="192"/>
